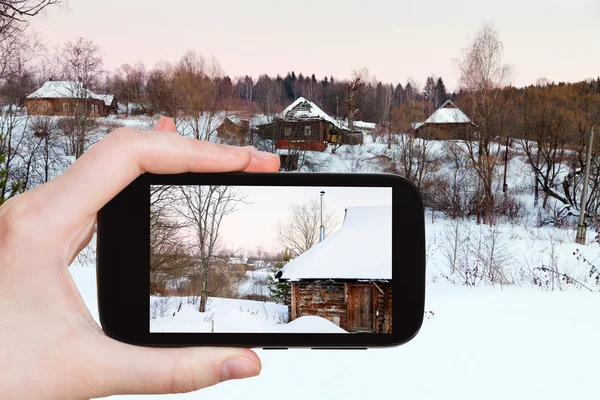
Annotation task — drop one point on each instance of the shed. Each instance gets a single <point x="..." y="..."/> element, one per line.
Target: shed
<point x="447" y="122"/>
<point x="347" y="278"/>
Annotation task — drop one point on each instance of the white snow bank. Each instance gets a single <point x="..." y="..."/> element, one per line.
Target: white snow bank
<point x="310" y="324"/>
<point x="360" y="249"/>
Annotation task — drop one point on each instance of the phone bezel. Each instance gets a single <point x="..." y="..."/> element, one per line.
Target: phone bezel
<point x="123" y="258"/>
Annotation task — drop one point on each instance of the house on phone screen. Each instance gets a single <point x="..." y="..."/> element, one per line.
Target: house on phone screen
<point x="347" y="278"/>
<point x="304" y="126"/>
<point x="446" y="123"/>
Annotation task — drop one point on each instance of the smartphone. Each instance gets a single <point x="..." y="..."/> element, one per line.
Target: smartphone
<point x="273" y="260"/>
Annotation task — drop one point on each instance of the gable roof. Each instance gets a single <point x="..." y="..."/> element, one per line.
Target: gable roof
<point x="302" y="109"/>
<point x="361" y="249"/>
<point x="106" y="98"/>
<point x="448" y="113"/>
<point x="68" y="90"/>
<point x="61" y="90"/>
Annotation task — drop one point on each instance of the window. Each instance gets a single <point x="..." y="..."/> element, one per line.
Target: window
<point x="288" y="132"/>
<point x="65" y="107"/>
<point x="44" y="107"/>
<point x="307" y="131"/>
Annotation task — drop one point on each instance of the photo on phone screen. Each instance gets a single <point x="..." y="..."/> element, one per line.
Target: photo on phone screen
<point x="270" y="259"/>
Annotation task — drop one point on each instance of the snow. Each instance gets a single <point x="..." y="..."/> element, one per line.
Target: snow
<point x="303" y="109"/>
<point x="231" y="316"/>
<point x="515" y="343"/>
<point x="360" y="249"/>
<point x="448" y="113"/>
<point x="106" y="98"/>
<point x="61" y="90"/>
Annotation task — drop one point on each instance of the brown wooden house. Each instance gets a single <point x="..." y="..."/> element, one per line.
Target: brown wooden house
<point x="347" y="278"/>
<point x="303" y="125"/>
<point x="234" y="130"/>
<point x="446" y="123"/>
<point x="67" y="98"/>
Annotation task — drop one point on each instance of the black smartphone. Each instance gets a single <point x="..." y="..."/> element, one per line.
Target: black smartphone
<point x="272" y="260"/>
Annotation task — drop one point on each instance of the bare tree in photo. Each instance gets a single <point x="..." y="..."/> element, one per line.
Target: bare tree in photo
<point x="301" y="231"/>
<point x="203" y="208"/>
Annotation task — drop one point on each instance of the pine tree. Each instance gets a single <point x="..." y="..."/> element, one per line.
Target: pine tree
<point x="598" y="86"/>
<point x="280" y="291"/>
<point x="440" y="92"/>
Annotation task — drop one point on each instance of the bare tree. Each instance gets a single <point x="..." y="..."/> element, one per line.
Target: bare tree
<point x="203" y="208"/>
<point x="195" y="82"/>
<point x="483" y="74"/>
<point x="81" y="68"/>
<point x="301" y="231"/>
<point x="130" y="84"/>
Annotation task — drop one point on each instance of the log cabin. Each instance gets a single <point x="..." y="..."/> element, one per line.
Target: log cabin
<point x="447" y="123"/>
<point x="347" y="278"/>
<point x="304" y="126"/>
<point x="69" y="98"/>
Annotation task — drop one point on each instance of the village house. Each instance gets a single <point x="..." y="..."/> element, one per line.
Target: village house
<point x="446" y="123"/>
<point x="68" y="98"/>
<point x="234" y="130"/>
<point x="347" y="278"/>
<point x="303" y="125"/>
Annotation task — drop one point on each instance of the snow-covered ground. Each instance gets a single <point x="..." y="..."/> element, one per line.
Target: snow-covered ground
<point x="475" y="343"/>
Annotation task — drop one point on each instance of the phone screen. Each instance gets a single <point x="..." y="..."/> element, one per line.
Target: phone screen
<point x="270" y="259"/>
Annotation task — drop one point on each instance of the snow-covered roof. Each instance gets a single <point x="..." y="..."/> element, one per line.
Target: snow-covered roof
<point x="303" y="109"/>
<point x="448" y="113"/>
<point x="106" y="98"/>
<point x="61" y="90"/>
<point x="68" y="90"/>
<point x="360" y="249"/>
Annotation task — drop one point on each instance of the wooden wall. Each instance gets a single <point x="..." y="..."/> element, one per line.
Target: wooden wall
<point x="57" y="106"/>
<point x="331" y="300"/>
<point x="445" y="131"/>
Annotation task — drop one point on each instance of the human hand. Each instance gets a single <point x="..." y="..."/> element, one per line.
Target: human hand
<point x="50" y="346"/>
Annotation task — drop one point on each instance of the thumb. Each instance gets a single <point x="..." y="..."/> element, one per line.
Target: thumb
<point x="127" y="369"/>
<point x="165" y="124"/>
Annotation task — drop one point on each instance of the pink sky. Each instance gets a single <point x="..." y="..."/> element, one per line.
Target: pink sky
<point x="556" y="39"/>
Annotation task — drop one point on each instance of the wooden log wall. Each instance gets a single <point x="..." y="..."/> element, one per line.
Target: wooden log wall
<point x="327" y="300"/>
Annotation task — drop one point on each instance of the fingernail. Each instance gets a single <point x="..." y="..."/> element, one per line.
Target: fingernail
<point x="159" y="124"/>
<point x="238" y="368"/>
<point x="263" y="155"/>
<point x="239" y="150"/>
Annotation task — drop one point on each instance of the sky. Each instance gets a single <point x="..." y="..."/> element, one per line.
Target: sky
<point x="254" y="223"/>
<point x="394" y="39"/>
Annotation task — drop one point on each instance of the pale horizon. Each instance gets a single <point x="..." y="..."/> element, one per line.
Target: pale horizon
<point x="551" y="39"/>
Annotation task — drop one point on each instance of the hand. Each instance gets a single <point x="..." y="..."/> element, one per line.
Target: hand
<point x="50" y="346"/>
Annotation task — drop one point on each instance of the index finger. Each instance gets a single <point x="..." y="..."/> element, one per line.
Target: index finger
<point x="116" y="160"/>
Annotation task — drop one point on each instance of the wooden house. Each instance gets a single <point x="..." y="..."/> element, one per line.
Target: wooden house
<point x="347" y="278"/>
<point x="234" y="130"/>
<point x="67" y="98"/>
<point x="447" y="122"/>
<point x="303" y="125"/>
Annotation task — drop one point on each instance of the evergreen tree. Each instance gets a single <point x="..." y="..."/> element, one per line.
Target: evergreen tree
<point x="440" y="92"/>
<point x="598" y="86"/>
<point x="280" y="291"/>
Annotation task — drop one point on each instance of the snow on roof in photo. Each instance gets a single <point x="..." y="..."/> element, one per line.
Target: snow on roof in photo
<point x="360" y="249"/>
<point x="61" y="90"/>
<point x="448" y="113"/>
<point x="303" y="109"/>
